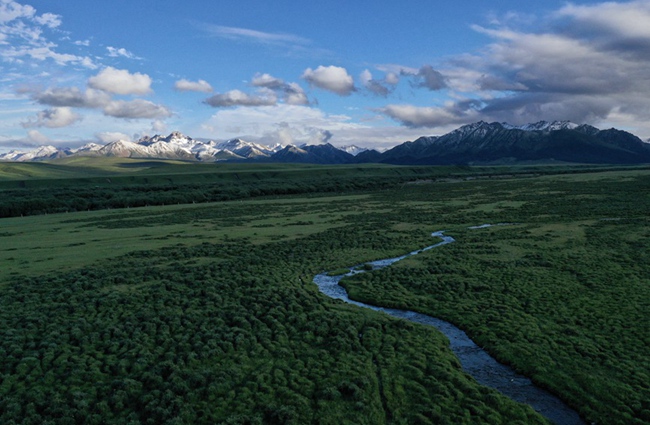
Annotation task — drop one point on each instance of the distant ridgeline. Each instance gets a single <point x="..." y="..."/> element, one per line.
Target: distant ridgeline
<point x="478" y="143"/>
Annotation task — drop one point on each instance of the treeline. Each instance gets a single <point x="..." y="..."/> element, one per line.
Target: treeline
<point x="35" y="197"/>
<point x="57" y="199"/>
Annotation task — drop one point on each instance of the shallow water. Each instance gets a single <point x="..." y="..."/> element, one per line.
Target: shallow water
<point x="474" y="360"/>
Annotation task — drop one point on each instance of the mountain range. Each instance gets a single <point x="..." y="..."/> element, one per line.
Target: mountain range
<point x="477" y="143"/>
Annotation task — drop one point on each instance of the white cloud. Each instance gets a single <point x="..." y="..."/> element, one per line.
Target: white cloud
<point x="300" y="124"/>
<point x="426" y="77"/>
<point x="246" y="34"/>
<point x="331" y="78"/>
<point x="158" y="126"/>
<point x="111" y="136"/>
<point x="115" y="52"/>
<point x="10" y="10"/>
<point x="267" y="80"/>
<point x="391" y="78"/>
<point x="49" y="20"/>
<point x="290" y="93"/>
<point x="376" y="87"/>
<point x="413" y="116"/>
<point x="53" y="118"/>
<point x="239" y="98"/>
<point x="72" y="97"/>
<point x="294" y="94"/>
<point x="38" y="138"/>
<point x="23" y="31"/>
<point x="588" y="64"/>
<point x="628" y="20"/>
<point x="45" y="51"/>
<point x="198" y="86"/>
<point x="260" y="121"/>
<point x="397" y="69"/>
<point x="121" y="81"/>
<point x="137" y="108"/>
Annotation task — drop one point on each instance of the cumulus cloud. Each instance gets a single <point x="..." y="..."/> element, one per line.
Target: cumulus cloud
<point x="111" y="136"/>
<point x="239" y="98"/>
<point x="268" y="81"/>
<point x="330" y="78"/>
<point x="37" y="138"/>
<point x="198" y="86"/>
<point x="380" y="88"/>
<point x="587" y="64"/>
<point x="597" y="63"/>
<point x="159" y="126"/>
<point x="294" y="94"/>
<point x="612" y="24"/>
<point x="121" y="81"/>
<point x="391" y="78"/>
<point x="72" y="97"/>
<point x="295" y="124"/>
<point x="290" y="93"/>
<point x="413" y="116"/>
<point x="427" y="77"/>
<point x="137" y="108"/>
<point x="53" y="118"/>
<point x="265" y="122"/>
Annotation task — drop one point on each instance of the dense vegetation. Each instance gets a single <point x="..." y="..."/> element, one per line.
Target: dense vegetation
<point x="207" y="314"/>
<point x="227" y="332"/>
<point x="562" y="293"/>
<point x="25" y="190"/>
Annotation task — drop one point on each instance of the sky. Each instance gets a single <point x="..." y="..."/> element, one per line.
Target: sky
<point x="368" y="73"/>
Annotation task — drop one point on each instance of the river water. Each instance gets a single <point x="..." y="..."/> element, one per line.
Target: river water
<point x="474" y="360"/>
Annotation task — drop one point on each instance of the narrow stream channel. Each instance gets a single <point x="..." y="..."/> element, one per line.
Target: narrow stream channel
<point x="474" y="360"/>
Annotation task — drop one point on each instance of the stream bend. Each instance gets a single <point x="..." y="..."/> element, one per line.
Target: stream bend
<point x="474" y="360"/>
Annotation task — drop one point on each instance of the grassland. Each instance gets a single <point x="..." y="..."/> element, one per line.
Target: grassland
<point x="204" y="313"/>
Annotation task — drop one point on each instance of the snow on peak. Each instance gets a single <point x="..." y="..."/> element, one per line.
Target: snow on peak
<point x="178" y="138"/>
<point x="352" y="149"/>
<point x="40" y="153"/>
<point x="477" y="128"/>
<point x="542" y="126"/>
<point x="89" y="147"/>
<point x="245" y="149"/>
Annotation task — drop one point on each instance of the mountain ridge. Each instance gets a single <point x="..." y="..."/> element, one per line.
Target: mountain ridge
<point x="479" y="142"/>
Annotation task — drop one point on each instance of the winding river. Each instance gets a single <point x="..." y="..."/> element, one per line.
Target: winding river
<point x="474" y="360"/>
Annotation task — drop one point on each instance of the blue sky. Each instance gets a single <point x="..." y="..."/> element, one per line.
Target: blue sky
<point x="78" y="71"/>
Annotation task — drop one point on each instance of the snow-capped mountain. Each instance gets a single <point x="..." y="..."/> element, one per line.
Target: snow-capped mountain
<point x="557" y="141"/>
<point x="124" y="149"/>
<point x="88" y="147"/>
<point x="248" y="149"/>
<point x="479" y="142"/>
<point x="39" y="154"/>
<point x="352" y="149"/>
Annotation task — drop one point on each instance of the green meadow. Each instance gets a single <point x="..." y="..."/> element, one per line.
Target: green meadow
<point x="202" y="310"/>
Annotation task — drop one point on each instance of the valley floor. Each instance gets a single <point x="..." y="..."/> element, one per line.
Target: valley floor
<point x="205" y="313"/>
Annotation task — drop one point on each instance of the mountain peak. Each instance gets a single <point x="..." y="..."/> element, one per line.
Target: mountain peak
<point x="176" y="135"/>
<point x="542" y="126"/>
<point x="353" y="149"/>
